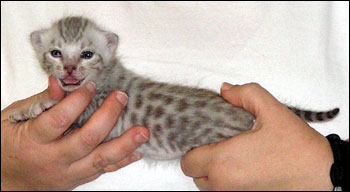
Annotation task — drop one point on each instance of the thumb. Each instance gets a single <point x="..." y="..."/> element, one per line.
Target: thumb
<point x="55" y="92"/>
<point x="251" y="97"/>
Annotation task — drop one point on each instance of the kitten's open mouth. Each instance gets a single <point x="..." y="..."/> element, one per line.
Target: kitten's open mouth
<point x="69" y="80"/>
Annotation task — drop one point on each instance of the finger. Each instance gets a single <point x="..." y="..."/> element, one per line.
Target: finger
<point x="113" y="154"/>
<point x="133" y="157"/>
<point x="96" y="129"/>
<point x="54" y="122"/>
<point x="53" y="91"/>
<point x="195" y="162"/>
<point x="86" y="179"/>
<point x="202" y="183"/>
<point x="251" y="97"/>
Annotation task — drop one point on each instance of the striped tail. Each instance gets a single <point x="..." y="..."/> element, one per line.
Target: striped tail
<point x="312" y="116"/>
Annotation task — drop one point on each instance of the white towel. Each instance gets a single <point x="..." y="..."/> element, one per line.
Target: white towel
<point x="299" y="51"/>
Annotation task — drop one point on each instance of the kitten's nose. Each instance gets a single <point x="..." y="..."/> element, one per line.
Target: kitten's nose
<point x="69" y="68"/>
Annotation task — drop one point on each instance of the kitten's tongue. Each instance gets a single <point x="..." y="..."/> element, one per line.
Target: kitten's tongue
<point x="69" y="80"/>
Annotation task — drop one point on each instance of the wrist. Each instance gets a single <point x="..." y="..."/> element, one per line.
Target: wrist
<point x="320" y="174"/>
<point x="328" y="161"/>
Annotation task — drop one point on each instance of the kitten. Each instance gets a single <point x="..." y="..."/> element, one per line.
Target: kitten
<point x="75" y="50"/>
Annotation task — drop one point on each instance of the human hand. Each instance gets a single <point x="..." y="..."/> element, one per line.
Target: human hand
<point x="281" y="152"/>
<point x="35" y="156"/>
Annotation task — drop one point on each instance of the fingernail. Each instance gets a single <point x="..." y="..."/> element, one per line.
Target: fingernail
<point x="226" y="86"/>
<point x="122" y="98"/>
<point x="90" y="86"/>
<point x="141" y="138"/>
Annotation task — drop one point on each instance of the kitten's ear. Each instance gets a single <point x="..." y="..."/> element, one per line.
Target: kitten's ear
<point x="112" y="41"/>
<point x="37" y="39"/>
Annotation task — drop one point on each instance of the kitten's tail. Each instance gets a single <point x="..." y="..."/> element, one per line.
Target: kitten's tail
<point x="312" y="116"/>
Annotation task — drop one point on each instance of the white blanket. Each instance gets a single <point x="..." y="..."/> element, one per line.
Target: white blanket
<point x="299" y="51"/>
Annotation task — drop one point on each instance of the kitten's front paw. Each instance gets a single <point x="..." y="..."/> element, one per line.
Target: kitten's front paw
<point x="40" y="106"/>
<point x="18" y="116"/>
<point x="35" y="110"/>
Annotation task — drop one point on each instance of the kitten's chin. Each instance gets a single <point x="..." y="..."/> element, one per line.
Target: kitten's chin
<point x="70" y="88"/>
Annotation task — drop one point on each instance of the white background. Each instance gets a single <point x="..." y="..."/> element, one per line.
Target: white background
<point x="299" y="51"/>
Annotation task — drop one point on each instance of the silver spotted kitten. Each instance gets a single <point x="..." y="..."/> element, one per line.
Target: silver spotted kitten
<point x="75" y="50"/>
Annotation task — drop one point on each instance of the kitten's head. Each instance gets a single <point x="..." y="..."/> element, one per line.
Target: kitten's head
<point x="75" y="50"/>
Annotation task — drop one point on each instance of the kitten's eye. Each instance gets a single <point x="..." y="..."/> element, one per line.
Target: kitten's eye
<point x="86" y="55"/>
<point x="56" y="53"/>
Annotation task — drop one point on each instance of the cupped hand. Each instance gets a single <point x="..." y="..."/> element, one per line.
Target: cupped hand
<point x="35" y="155"/>
<point x="281" y="152"/>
